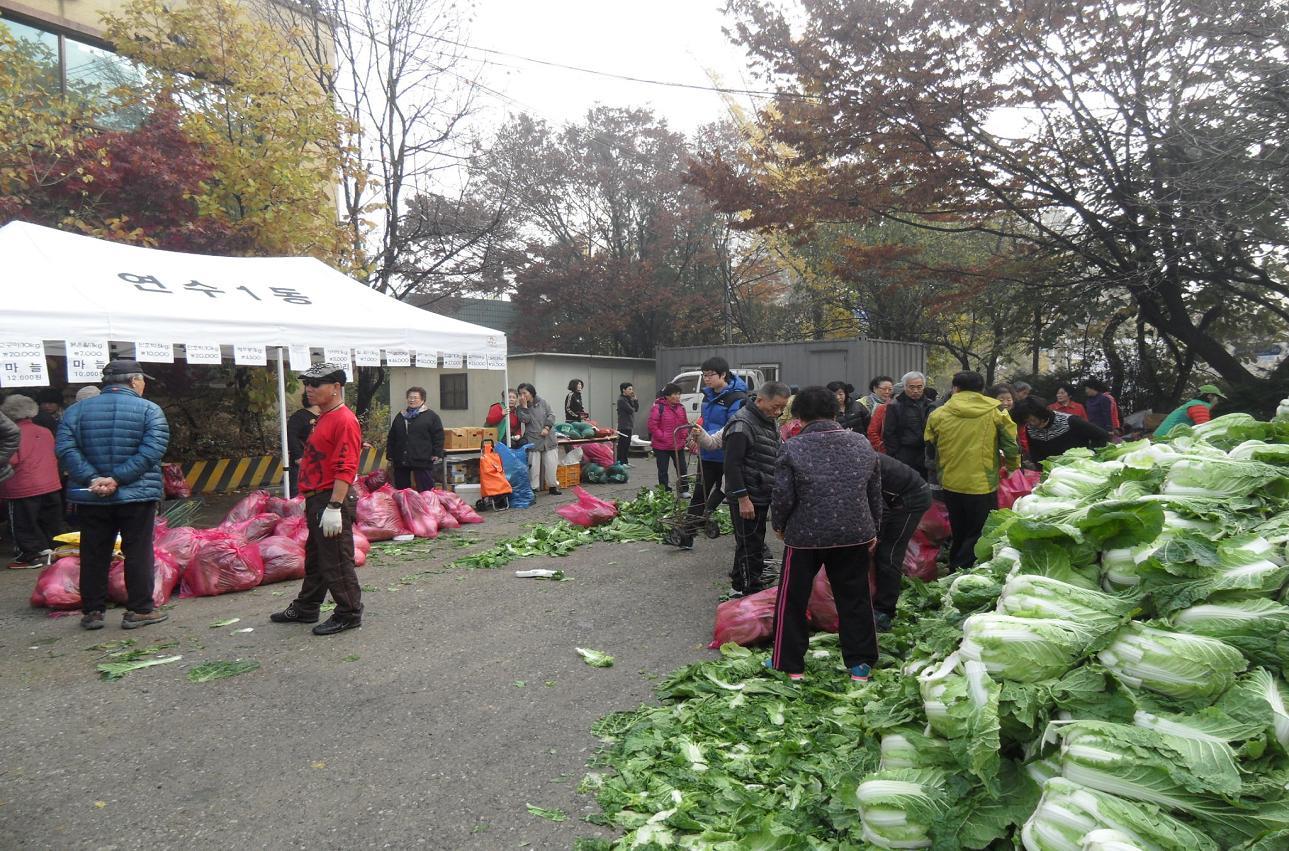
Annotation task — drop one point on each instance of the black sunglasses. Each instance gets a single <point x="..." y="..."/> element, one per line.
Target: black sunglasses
<point x="313" y="382"/>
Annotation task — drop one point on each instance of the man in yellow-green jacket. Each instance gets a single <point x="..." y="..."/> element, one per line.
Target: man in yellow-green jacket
<point x="970" y="438"/>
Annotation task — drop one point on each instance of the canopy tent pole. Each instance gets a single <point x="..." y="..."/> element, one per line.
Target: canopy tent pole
<point x="281" y="409"/>
<point x="505" y="406"/>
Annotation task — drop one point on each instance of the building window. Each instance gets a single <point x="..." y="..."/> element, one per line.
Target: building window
<point x="453" y="392"/>
<point x="769" y="370"/>
<point x="77" y="69"/>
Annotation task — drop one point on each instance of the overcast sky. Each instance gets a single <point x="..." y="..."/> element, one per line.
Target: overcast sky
<point x="672" y="40"/>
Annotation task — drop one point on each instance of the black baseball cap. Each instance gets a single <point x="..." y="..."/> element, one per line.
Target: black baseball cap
<point x="324" y="373"/>
<point x="122" y="367"/>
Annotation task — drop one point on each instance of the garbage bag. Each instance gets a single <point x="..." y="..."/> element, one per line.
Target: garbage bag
<point x="588" y="510"/>
<point x="255" y="528"/>
<point x="378" y="516"/>
<point x="255" y="502"/>
<point x="417" y="513"/>
<point x="1016" y="485"/>
<point x="285" y="507"/>
<point x="934" y="524"/>
<point x="176" y="485"/>
<point x="921" y="556"/>
<point x="180" y="543"/>
<point x="616" y="473"/>
<point x="295" y="527"/>
<point x="225" y="562"/>
<point x="283" y="559"/>
<point x="165" y="577"/>
<point x="599" y="453"/>
<point x="594" y="474"/>
<point x="59" y="585"/>
<point x="745" y="620"/>
<point x="458" y="507"/>
<point x="373" y="480"/>
<point x="515" y="463"/>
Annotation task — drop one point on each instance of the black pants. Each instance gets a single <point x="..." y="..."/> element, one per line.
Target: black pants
<point x="707" y="498"/>
<point x="100" y="524"/>
<point x="749" y="548"/>
<point x="665" y="459"/>
<point x="624" y="448"/>
<point x="34" y="521"/>
<point x="898" y="526"/>
<point x="967" y="515"/>
<point x="404" y="476"/>
<point x="329" y="562"/>
<point x="847" y="569"/>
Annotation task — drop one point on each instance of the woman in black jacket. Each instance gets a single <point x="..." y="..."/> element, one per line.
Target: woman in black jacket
<point x="574" y="410"/>
<point x="415" y="445"/>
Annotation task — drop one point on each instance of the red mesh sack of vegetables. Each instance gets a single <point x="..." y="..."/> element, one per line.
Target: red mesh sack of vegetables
<point x="458" y="507"/>
<point x="361" y="542"/>
<point x="180" y="543"/>
<point x="1012" y="487"/>
<point x="295" y="527"/>
<point x="446" y="519"/>
<point x="375" y="480"/>
<point x="417" y="513"/>
<point x="745" y="620"/>
<point x="920" y="559"/>
<point x="165" y="576"/>
<point x="224" y="563"/>
<point x="378" y="517"/>
<point x="821" y="611"/>
<point x="175" y="484"/>
<point x="59" y="585"/>
<point x="283" y="559"/>
<point x="360" y="556"/>
<point x="255" y="528"/>
<point x="934" y="525"/>
<point x="285" y="507"/>
<point x="255" y="502"/>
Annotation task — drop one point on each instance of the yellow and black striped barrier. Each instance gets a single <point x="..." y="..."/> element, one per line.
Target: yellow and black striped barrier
<point x="231" y="474"/>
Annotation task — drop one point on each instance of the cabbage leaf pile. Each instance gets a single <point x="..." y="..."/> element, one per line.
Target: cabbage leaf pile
<point x="1111" y="675"/>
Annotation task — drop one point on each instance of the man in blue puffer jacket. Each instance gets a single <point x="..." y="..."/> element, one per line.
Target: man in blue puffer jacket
<point x="111" y="446"/>
<point x="723" y="394"/>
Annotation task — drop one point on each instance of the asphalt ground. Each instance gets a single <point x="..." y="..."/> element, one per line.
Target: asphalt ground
<point x="459" y="702"/>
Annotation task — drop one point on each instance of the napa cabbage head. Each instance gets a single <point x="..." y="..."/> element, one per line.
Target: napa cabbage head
<point x="1024" y="649"/>
<point x="1178" y="665"/>
<point x="1068" y="813"/>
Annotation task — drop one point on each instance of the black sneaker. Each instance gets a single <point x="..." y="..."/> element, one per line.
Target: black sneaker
<point x="292" y="615"/>
<point x="92" y="620"/>
<point x="332" y="625"/>
<point x="555" y="491"/>
<point x="882" y="621"/>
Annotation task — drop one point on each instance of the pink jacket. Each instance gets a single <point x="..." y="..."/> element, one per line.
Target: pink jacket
<point x="664" y="419"/>
<point x="35" y="468"/>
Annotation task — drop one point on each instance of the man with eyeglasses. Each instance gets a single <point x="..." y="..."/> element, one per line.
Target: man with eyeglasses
<point x="327" y="470"/>
<point x="724" y="393"/>
<point x="111" y="447"/>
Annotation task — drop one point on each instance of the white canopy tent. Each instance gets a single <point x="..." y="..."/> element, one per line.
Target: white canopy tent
<point x="69" y="294"/>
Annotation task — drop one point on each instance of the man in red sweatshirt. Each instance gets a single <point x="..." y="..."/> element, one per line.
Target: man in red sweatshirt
<point x="327" y="470"/>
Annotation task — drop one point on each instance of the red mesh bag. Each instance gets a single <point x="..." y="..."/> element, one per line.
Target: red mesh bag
<point x="921" y="556"/>
<point x="256" y="528"/>
<point x="745" y="620"/>
<point x="1016" y="485"/>
<point x="934" y="525"/>
<point x="224" y="563"/>
<point x="180" y="543"/>
<point x="59" y="585"/>
<point x="255" y="502"/>
<point x="417" y="513"/>
<point x="165" y="576"/>
<point x="285" y="507"/>
<point x="360" y="557"/>
<point x="295" y="527"/>
<point x="378" y="517"/>
<point x="599" y="453"/>
<point x="457" y="507"/>
<point x="283" y="559"/>
<point x="375" y="479"/>
<point x="821" y="611"/>
<point x="445" y="518"/>
<point x="588" y="510"/>
<point x="361" y="542"/>
<point x="176" y="485"/>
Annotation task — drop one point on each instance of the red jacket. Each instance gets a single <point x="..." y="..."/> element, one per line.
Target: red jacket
<point x="494" y="418"/>
<point x="664" y="419"/>
<point x="332" y="451"/>
<point x="1073" y="408"/>
<point x="35" y="467"/>
<point x="875" y="426"/>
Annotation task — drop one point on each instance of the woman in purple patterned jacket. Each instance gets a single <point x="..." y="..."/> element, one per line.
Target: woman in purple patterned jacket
<point x="827" y="507"/>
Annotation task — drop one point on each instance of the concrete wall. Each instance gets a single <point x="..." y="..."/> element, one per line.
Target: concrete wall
<point x="804" y="362"/>
<point x="550" y="374"/>
<point x="483" y="387"/>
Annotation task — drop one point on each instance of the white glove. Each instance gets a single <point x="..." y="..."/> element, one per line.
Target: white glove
<point x="331" y="522"/>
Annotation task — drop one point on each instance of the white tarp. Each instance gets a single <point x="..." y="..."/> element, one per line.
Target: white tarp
<point x="60" y="286"/>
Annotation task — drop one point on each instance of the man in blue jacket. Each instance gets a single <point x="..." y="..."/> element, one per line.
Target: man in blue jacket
<point x="111" y="446"/>
<point x="723" y="394"/>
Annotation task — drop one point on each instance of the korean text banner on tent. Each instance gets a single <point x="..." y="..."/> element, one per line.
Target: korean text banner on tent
<point x="60" y="285"/>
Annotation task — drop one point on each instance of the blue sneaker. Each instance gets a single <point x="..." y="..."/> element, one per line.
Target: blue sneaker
<point x="860" y="673"/>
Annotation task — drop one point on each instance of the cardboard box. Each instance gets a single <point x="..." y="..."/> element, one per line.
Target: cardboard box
<point x="456" y="438"/>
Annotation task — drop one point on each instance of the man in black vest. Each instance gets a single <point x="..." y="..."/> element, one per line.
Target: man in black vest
<point x="902" y="431"/>
<point x="751" y="449"/>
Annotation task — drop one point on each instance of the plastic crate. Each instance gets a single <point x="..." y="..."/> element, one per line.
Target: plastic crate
<point x="568" y="475"/>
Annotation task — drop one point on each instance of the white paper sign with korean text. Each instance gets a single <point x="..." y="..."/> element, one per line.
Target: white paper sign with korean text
<point x="476" y="361"/>
<point x="340" y="356"/>
<point x="301" y="358"/>
<point x="496" y="360"/>
<point x="153" y="352"/>
<point x="22" y="364"/>
<point x="366" y="356"/>
<point x="85" y="360"/>
<point x="398" y="357"/>
<point x="453" y="361"/>
<point x="425" y="360"/>
<point x="249" y="355"/>
<point x="203" y="353"/>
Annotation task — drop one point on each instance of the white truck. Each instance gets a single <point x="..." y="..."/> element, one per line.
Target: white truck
<point x="691" y="388"/>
